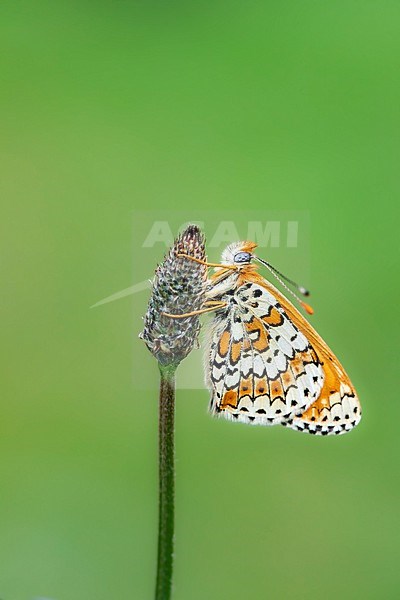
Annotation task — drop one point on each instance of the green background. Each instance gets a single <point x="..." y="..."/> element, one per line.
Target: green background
<point x="254" y="106"/>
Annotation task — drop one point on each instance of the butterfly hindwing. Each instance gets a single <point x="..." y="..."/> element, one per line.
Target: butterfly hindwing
<point x="261" y="368"/>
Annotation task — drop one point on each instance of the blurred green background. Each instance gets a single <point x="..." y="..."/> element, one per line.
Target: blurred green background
<point x="111" y="107"/>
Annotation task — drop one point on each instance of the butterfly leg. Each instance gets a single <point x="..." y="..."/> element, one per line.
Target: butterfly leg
<point x="203" y="262"/>
<point x="215" y="305"/>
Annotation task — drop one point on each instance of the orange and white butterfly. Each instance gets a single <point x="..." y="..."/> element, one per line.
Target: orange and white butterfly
<point x="265" y="364"/>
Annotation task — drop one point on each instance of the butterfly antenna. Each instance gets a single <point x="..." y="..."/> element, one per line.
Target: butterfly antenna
<point x="298" y="287"/>
<point x="280" y="276"/>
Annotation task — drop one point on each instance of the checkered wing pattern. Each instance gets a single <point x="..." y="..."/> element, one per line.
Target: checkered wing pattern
<point x="261" y="368"/>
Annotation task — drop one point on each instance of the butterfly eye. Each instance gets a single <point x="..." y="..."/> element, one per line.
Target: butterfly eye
<point x="242" y="257"/>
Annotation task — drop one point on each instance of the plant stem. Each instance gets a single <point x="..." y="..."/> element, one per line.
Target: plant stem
<point x="166" y="483"/>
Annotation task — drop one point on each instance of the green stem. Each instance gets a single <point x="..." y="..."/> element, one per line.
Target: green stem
<point x="166" y="483"/>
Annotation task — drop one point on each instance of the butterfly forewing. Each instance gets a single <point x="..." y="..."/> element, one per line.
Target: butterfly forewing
<point x="337" y="408"/>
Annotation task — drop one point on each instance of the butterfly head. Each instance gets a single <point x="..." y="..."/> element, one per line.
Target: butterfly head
<point x="239" y="254"/>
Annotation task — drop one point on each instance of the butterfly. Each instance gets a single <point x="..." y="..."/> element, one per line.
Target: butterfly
<point x="265" y="364"/>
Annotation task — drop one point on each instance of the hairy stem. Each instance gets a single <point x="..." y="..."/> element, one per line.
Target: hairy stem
<point x="166" y="483"/>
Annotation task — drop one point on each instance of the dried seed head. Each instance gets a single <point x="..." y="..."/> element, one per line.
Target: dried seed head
<point x="178" y="287"/>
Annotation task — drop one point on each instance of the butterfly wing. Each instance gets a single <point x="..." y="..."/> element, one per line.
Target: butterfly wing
<point x="260" y="367"/>
<point x="337" y="408"/>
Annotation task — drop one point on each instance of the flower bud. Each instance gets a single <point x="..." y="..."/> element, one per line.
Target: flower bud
<point x="178" y="288"/>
